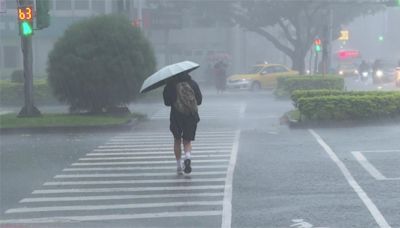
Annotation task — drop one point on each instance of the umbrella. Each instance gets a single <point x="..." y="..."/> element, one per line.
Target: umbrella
<point x="160" y="77"/>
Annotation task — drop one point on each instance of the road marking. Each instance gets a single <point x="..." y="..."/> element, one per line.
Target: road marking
<point x="138" y="189"/>
<point x="119" y="197"/>
<point x="157" y="153"/>
<point x="144" y="162"/>
<point x="75" y="219"/>
<point x="62" y="183"/>
<point x="141" y="168"/>
<point x="242" y="110"/>
<point x="150" y="157"/>
<point x="227" y="206"/>
<point x="378" y="151"/>
<point x="169" y="137"/>
<point x="96" y="175"/>
<point x="167" y="133"/>
<point x="112" y="206"/>
<point x="168" y="141"/>
<point x="155" y="148"/>
<point x="162" y="145"/>
<point x="381" y="221"/>
<point x="368" y="166"/>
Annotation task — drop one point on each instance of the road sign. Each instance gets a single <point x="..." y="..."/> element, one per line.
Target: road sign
<point x="344" y="35"/>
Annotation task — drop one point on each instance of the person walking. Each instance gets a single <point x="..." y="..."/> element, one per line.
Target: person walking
<point x="220" y="76"/>
<point x="183" y="95"/>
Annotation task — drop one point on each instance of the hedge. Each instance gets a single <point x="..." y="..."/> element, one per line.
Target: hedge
<point x="13" y="93"/>
<point x="349" y="107"/>
<point x="286" y="85"/>
<point x="296" y="95"/>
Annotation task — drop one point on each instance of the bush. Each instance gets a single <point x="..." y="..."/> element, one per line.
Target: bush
<point x="17" y="76"/>
<point x="100" y="63"/>
<point x="349" y="107"/>
<point x="286" y="85"/>
<point x="296" y="95"/>
<point x="13" y="93"/>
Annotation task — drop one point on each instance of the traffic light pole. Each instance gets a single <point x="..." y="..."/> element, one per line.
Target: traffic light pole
<point x="29" y="110"/>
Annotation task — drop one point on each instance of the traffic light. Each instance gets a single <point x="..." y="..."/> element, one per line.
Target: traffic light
<point x="380" y="38"/>
<point x="25" y="19"/>
<point x="42" y="14"/>
<point x="317" y="45"/>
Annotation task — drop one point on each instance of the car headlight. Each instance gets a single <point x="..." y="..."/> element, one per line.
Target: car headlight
<point x="341" y="72"/>
<point x="356" y="71"/>
<point x="379" y="73"/>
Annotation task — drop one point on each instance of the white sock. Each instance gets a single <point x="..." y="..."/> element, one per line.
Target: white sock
<point x="178" y="163"/>
<point x="187" y="155"/>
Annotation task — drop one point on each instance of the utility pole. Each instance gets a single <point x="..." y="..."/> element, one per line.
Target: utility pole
<point x="25" y="17"/>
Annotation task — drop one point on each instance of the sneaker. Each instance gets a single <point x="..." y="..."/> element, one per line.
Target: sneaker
<point x="179" y="170"/>
<point x="188" y="168"/>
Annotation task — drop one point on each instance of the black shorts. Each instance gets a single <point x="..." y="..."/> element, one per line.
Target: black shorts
<point x="184" y="128"/>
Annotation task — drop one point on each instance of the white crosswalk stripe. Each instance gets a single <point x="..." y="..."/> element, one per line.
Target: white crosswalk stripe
<point x="134" y="172"/>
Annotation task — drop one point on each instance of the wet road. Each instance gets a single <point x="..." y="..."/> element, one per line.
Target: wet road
<point x="248" y="171"/>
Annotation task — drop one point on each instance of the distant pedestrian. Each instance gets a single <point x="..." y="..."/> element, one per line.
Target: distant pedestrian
<point x="220" y="76"/>
<point x="183" y="94"/>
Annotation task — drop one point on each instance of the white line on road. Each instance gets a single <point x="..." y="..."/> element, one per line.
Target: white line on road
<point x="379" y="151"/>
<point x="155" y="148"/>
<point x="112" y="206"/>
<point x="368" y="166"/>
<point x="242" y="110"/>
<point x="140" y="168"/>
<point x="227" y="206"/>
<point x="156" y="153"/>
<point x="144" y="162"/>
<point x="170" y="145"/>
<point x="150" y="157"/>
<point x="200" y="133"/>
<point x="353" y="183"/>
<point x="152" y="181"/>
<point x="138" y="189"/>
<point x="222" y="136"/>
<point x="97" y="175"/>
<point x="119" y="197"/>
<point x="74" y="219"/>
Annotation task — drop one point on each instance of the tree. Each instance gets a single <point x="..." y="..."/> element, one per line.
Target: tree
<point x="99" y="63"/>
<point x="298" y="22"/>
<point x="291" y="26"/>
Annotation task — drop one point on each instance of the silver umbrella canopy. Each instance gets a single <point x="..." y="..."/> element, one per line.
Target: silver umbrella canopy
<point x="160" y="77"/>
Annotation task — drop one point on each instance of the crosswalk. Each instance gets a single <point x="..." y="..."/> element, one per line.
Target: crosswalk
<point x="133" y="176"/>
<point x="209" y="111"/>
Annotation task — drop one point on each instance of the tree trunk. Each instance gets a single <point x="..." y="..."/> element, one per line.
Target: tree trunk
<point x="298" y="60"/>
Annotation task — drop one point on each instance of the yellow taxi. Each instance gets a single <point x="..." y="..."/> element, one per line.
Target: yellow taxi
<point x="261" y="76"/>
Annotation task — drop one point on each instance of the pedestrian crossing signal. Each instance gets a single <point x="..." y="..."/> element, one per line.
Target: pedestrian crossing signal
<point x="25" y="19"/>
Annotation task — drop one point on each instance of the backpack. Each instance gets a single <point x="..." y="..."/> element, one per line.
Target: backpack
<point x="186" y="102"/>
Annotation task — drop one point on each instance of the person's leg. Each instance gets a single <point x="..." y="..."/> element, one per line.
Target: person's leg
<point x="177" y="132"/>
<point x="177" y="148"/>
<point x="187" y="148"/>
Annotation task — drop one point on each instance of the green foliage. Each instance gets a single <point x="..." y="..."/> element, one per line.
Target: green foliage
<point x="296" y="95"/>
<point x="99" y="63"/>
<point x="350" y="107"/>
<point x="13" y="93"/>
<point x="17" y="76"/>
<point x="286" y="85"/>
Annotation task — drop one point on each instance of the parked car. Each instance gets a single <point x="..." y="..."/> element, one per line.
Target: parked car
<point x="261" y="76"/>
<point x="383" y="72"/>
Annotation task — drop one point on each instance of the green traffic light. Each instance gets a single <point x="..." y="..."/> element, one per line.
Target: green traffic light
<point x="26" y="28"/>
<point x="317" y="48"/>
<point x="380" y="38"/>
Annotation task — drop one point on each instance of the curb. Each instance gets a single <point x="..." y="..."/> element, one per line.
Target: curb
<point x="72" y="129"/>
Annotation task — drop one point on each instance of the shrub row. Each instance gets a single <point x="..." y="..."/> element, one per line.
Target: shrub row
<point x="350" y="107"/>
<point x="287" y="84"/>
<point x="13" y="93"/>
<point x="296" y="95"/>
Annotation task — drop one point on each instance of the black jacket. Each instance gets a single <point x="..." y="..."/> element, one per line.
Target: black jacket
<point x="170" y="97"/>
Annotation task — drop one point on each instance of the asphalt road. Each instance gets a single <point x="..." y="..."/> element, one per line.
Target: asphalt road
<point x="248" y="171"/>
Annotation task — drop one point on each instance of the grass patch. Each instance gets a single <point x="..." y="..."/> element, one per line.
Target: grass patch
<point x="63" y="120"/>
